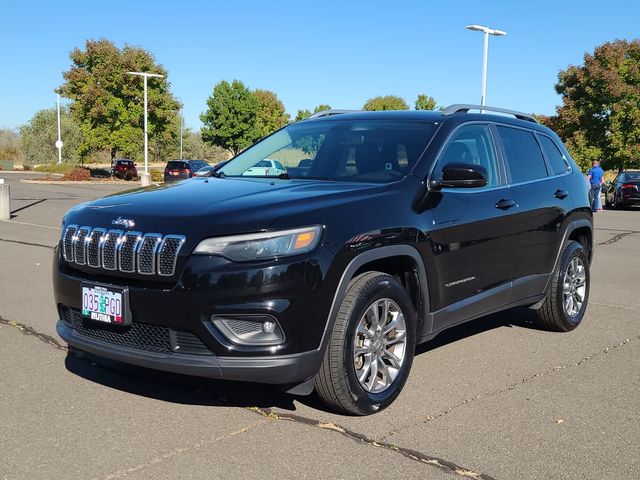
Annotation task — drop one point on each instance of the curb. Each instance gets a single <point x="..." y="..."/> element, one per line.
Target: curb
<point x="81" y="182"/>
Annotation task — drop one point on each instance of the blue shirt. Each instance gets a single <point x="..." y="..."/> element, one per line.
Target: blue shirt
<point x="596" y="174"/>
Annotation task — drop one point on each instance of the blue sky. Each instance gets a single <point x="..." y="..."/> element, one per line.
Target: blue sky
<point x="335" y="52"/>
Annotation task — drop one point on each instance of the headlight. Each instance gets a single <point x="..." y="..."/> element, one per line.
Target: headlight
<point x="261" y="246"/>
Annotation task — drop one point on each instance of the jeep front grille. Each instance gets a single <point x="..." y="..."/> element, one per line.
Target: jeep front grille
<point x="128" y="252"/>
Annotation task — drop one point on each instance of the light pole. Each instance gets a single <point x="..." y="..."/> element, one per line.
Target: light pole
<point x="486" y="31"/>
<point x="145" y="178"/>
<point x="59" y="141"/>
<point x="181" y="123"/>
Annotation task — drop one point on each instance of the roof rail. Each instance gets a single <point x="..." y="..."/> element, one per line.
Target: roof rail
<point x="328" y="113"/>
<point x="464" y="108"/>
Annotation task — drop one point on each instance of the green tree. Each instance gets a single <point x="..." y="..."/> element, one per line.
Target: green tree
<point x="38" y="137"/>
<point x="388" y="102"/>
<point x="425" y="102"/>
<point x="230" y="118"/>
<point x="302" y="114"/>
<point x="9" y="145"/>
<point x="196" y="148"/>
<point x="271" y="114"/>
<point x="600" y="113"/>
<point x="108" y="102"/>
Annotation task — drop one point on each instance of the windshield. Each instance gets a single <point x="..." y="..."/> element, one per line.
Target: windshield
<point x="346" y="150"/>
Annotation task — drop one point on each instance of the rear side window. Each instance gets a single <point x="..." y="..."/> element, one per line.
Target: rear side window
<point x="554" y="155"/>
<point x="523" y="153"/>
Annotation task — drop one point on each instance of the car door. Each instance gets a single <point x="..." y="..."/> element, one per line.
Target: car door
<point x="543" y="200"/>
<point x="612" y="190"/>
<point x="471" y="232"/>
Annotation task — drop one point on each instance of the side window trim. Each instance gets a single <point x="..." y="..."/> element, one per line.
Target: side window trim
<point x="502" y="176"/>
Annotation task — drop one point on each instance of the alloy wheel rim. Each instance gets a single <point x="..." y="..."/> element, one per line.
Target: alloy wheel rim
<point x="380" y="345"/>
<point x="574" y="287"/>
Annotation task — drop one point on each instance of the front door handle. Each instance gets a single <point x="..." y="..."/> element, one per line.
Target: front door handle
<point x="561" y="194"/>
<point x="505" y="204"/>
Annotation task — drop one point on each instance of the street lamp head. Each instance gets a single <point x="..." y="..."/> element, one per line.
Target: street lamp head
<point x="145" y="74"/>
<point x="483" y="29"/>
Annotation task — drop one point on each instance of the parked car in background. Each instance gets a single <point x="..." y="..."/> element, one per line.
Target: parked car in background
<point x="204" y="171"/>
<point x="624" y="191"/>
<point x="209" y="169"/>
<point x="124" y="168"/>
<point x="266" y="168"/>
<point x="182" y="169"/>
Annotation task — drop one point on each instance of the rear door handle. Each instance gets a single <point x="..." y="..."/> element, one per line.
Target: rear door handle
<point x="505" y="204"/>
<point x="561" y="194"/>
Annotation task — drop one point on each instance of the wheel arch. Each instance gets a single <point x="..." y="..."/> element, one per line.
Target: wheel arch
<point x="580" y="230"/>
<point x="401" y="261"/>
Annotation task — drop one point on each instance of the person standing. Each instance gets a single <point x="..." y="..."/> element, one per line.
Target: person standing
<point x="596" y="179"/>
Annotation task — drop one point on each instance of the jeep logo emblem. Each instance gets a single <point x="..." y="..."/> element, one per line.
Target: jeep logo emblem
<point x="123" y="222"/>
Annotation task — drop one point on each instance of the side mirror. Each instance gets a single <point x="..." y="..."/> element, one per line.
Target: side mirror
<point x="462" y="175"/>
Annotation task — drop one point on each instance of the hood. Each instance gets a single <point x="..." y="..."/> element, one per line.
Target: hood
<point x="214" y="206"/>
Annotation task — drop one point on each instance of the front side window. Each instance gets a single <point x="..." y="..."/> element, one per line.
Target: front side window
<point x="344" y="150"/>
<point x="471" y="144"/>
<point x="523" y="153"/>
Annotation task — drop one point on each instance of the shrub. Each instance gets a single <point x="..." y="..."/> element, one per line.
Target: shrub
<point x="77" y="174"/>
<point x="56" y="167"/>
<point x="157" y="176"/>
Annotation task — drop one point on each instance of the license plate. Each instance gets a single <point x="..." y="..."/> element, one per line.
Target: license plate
<point x="104" y="304"/>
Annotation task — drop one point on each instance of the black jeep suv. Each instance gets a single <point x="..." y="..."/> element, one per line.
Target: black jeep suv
<point x="402" y="224"/>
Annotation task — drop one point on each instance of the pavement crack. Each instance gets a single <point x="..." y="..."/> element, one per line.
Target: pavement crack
<point x="30" y="244"/>
<point x="175" y="452"/>
<point x="515" y="385"/>
<point x="414" y="455"/>
<point x="27" y="330"/>
<point x="617" y="237"/>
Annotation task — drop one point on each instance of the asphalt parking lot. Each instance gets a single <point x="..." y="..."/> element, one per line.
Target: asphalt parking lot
<point x="496" y="398"/>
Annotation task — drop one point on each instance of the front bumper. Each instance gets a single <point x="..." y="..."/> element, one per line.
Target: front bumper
<point x="280" y="369"/>
<point x="173" y="324"/>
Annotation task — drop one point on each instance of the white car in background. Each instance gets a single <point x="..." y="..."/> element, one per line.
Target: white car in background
<point x="266" y="168"/>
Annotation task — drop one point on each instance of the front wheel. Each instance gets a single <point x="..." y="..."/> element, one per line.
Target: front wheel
<point x="371" y="349"/>
<point x="563" y="308"/>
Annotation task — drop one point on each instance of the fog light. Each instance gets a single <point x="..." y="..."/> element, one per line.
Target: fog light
<point x="255" y="330"/>
<point x="268" y="326"/>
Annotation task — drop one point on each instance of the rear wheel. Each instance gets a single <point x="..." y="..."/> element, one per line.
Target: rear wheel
<point x="371" y="349"/>
<point x="566" y="301"/>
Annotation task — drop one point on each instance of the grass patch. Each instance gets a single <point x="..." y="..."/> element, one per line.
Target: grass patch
<point x="61" y="168"/>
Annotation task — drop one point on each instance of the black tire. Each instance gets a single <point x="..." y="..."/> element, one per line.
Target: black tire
<point x="552" y="315"/>
<point x="336" y="384"/>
